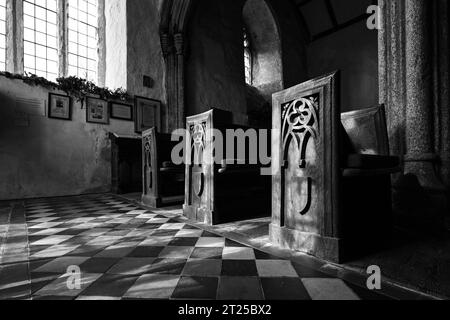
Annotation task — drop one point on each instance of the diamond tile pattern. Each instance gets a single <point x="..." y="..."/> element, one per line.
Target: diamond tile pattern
<point x="126" y="252"/>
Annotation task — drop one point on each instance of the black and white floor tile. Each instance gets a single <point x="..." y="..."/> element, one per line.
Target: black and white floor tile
<point x="127" y="252"/>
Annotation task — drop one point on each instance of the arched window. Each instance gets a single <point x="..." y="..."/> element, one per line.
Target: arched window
<point x="248" y="63"/>
<point x="263" y="60"/>
<point x="262" y="48"/>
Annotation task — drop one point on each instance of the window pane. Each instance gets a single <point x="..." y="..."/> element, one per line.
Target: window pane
<point x="41" y="38"/>
<point x="83" y="39"/>
<point x="2" y="35"/>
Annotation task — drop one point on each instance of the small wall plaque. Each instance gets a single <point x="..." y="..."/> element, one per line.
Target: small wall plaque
<point x="147" y="114"/>
<point x="121" y="111"/>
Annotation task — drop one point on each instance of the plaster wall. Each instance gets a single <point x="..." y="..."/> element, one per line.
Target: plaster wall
<point x="116" y="38"/>
<point x="354" y="51"/>
<point x="214" y="64"/>
<point x="214" y="67"/>
<point x="144" y="52"/>
<point x="42" y="157"/>
<point x="293" y="43"/>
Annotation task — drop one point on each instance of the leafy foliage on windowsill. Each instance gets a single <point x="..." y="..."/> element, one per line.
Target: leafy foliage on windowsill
<point x="73" y="86"/>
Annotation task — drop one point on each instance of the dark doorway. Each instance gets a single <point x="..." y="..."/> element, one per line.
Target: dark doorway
<point x="126" y="164"/>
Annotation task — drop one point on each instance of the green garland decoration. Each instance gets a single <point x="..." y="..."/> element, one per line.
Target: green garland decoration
<point x="73" y="86"/>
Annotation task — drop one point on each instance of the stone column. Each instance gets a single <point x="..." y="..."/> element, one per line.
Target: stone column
<point x="179" y="49"/>
<point x="63" y="7"/>
<point x="420" y="158"/>
<point x="392" y="71"/>
<point x="14" y="40"/>
<point x="101" y="43"/>
<point x="442" y="86"/>
<point x="168" y="53"/>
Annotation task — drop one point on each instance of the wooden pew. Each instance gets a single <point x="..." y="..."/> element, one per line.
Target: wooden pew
<point x="331" y="184"/>
<point x="126" y="164"/>
<point x="225" y="191"/>
<point x="163" y="182"/>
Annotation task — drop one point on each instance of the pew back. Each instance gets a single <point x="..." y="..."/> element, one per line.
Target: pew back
<point x="163" y="182"/>
<point x="332" y="183"/>
<point x="306" y="164"/>
<point x="218" y="188"/>
<point x="367" y="130"/>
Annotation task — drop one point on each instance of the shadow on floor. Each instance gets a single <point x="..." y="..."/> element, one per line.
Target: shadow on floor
<point x="418" y="261"/>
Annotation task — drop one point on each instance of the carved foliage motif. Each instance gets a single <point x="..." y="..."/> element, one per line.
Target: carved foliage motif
<point x="300" y="124"/>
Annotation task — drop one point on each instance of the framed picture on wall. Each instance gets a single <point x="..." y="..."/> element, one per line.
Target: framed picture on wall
<point x="97" y="111"/>
<point x="121" y="111"/>
<point x="147" y="114"/>
<point x="59" y="106"/>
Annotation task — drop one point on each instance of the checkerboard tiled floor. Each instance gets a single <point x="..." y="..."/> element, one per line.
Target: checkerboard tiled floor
<point x="127" y="252"/>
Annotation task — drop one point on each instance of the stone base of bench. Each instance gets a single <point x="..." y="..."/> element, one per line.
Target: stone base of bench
<point x="325" y="248"/>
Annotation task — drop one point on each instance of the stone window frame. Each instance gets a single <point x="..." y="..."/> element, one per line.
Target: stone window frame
<point x="248" y="56"/>
<point x="3" y="36"/>
<point x="15" y="36"/>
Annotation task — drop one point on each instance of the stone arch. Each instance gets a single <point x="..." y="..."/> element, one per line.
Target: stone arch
<point x="175" y="17"/>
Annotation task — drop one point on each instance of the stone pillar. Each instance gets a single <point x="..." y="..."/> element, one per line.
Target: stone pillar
<point x="171" y="81"/>
<point x="63" y="7"/>
<point x="166" y="47"/>
<point x="392" y="71"/>
<point x="101" y="43"/>
<point x="14" y="39"/>
<point x="420" y="158"/>
<point x="179" y="50"/>
<point x="407" y="71"/>
<point x="165" y="44"/>
<point x="173" y="49"/>
<point x="442" y="87"/>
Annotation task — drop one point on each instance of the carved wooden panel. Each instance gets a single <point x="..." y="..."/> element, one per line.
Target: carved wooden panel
<point x="126" y="164"/>
<point x="150" y="162"/>
<point x="216" y="191"/>
<point x="300" y="127"/>
<point x="305" y="161"/>
<point x="163" y="182"/>
<point x="199" y="189"/>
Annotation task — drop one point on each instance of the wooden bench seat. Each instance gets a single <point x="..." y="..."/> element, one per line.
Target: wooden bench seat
<point x="163" y="181"/>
